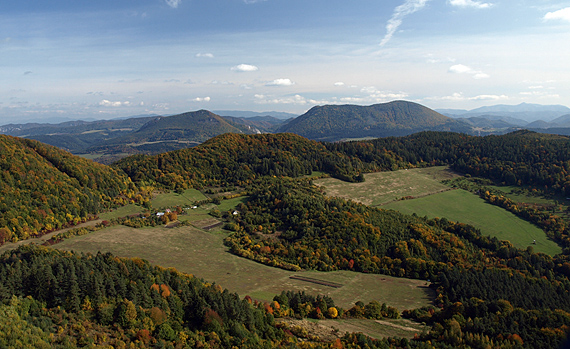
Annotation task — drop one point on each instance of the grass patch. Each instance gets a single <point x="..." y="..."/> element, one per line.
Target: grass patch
<point x="168" y="200"/>
<point x="462" y="206"/>
<point x="231" y="204"/>
<point x="384" y="187"/>
<point x="202" y="254"/>
<point x="122" y="212"/>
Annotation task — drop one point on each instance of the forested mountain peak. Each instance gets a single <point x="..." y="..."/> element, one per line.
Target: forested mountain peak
<point x="201" y="121"/>
<point x="335" y="122"/>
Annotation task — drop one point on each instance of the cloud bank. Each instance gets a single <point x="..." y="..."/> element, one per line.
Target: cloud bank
<point x="407" y="8"/>
<point x="107" y="103"/>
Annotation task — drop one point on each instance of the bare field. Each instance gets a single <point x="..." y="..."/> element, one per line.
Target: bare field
<point x="202" y="254"/>
<point x="329" y="330"/>
<point x="383" y="187"/>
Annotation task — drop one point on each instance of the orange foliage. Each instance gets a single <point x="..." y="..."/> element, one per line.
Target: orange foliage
<point x="165" y="291"/>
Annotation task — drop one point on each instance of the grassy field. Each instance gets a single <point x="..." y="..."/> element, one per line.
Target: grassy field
<point x="230" y="204"/>
<point x="463" y="206"/>
<point x="434" y="199"/>
<point x="169" y="200"/>
<point x="195" y="251"/>
<point x="384" y="187"/>
<point x="202" y="254"/>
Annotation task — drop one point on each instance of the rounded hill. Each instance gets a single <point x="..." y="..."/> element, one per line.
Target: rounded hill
<point x="336" y="122"/>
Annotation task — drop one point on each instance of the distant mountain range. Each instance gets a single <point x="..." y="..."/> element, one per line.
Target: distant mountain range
<point x="108" y="140"/>
<point x="524" y="111"/>
<point x="145" y="134"/>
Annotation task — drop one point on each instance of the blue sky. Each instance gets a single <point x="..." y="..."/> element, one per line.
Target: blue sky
<point x="106" y="59"/>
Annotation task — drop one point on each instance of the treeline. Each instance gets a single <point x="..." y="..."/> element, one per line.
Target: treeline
<point x="43" y="188"/>
<point x="239" y="159"/>
<point x="489" y="293"/>
<point x="487" y="307"/>
<point x="146" y="304"/>
<point x="518" y="158"/>
<point x="311" y="231"/>
<point x="58" y="299"/>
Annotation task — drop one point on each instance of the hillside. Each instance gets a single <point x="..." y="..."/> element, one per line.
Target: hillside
<point x="43" y="188"/>
<point x="239" y="159"/>
<point x="398" y="118"/>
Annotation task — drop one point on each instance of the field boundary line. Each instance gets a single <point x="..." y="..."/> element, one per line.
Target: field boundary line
<point x="316" y="281"/>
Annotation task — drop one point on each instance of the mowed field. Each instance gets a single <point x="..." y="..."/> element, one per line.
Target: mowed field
<point x="463" y="206"/>
<point x="383" y="187"/>
<point x="202" y="254"/>
<point x="434" y="199"/>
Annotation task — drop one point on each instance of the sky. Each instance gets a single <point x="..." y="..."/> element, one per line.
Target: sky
<point x="115" y="58"/>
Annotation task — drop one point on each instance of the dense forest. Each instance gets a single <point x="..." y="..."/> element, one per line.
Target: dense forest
<point x="239" y="159"/>
<point x="489" y="294"/>
<point x="44" y="188"/>
<point x="518" y="158"/>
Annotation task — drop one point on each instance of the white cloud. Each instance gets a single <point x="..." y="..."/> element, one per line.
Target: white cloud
<point x="201" y="99"/>
<point x="296" y="99"/>
<point x="470" y="3"/>
<point x="205" y="55"/>
<point x="431" y="59"/>
<point x="563" y="15"/>
<point x="252" y="1"/>
<point x="173" y="3"/>
<point x="339" y="83"/>
<point x="375" y="95"/>
<point x="463" y="69"/>
<point x="107" y="103"/>
<point x="244" y="68"/>
<point x="280" y="82"/>
<point x="480" y="75"/>
<point x="407" y="8"/>
<point x="459" y="69"/>
<point x="488" y="98"/>
<point x="458" y="96"/>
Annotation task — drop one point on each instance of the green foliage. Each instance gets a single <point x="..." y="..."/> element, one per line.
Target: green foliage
<point x="130" y="294"/>
<point x="232" y="159"/>
<point x="331" y="234"/>
<point x="43" y="188"/>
